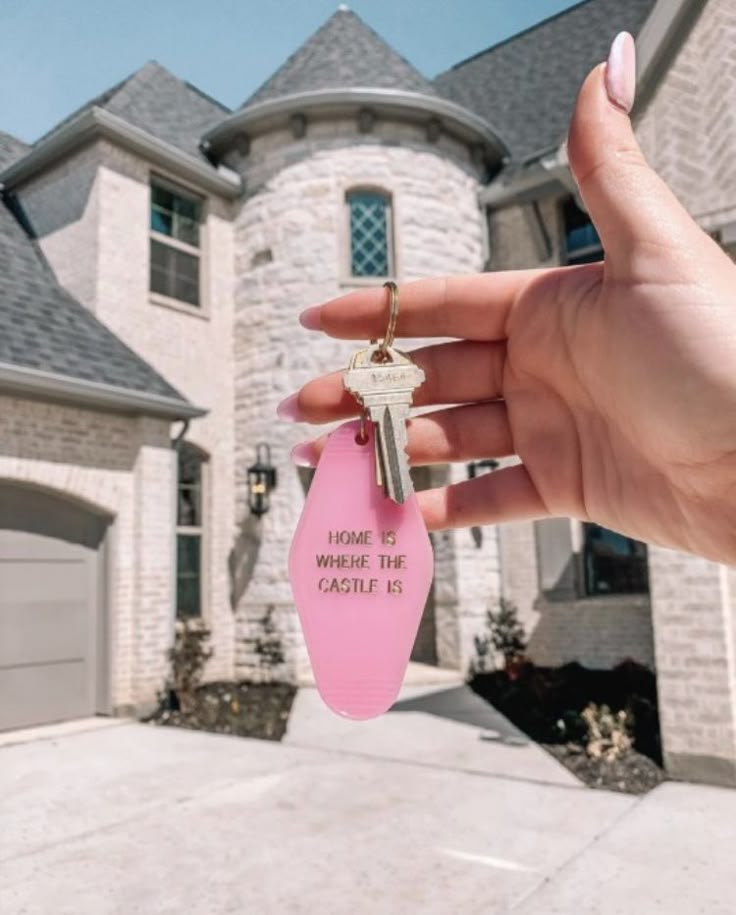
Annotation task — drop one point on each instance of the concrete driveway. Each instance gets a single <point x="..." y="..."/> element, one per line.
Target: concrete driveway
<point x="438" y="807"/>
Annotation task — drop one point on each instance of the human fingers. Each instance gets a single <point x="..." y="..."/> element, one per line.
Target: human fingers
<point x="504" y="495"/>
<point x="456" y="372"/>
<point x="474" y="307"/>
<point x="630" y="205"/>
<point x="457" y="434"/>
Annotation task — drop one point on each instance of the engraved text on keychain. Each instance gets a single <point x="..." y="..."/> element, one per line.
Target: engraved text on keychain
<point x="361" y="562"/>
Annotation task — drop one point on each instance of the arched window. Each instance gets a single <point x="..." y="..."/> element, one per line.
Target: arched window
<point x="190" y="499"/>
<point x="371" y="242"/>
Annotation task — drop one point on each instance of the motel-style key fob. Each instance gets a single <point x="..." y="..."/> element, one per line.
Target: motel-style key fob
<point x="360" y="567"/>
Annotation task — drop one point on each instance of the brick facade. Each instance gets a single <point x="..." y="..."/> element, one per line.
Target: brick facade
<point x="284" y="246"/>
<point x="121" y="467"/>
<point x="91" y="213"/>
<point x="687" y="627"/>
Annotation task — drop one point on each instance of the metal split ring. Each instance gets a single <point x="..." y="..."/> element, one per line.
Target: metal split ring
<point x="393" y="316"/>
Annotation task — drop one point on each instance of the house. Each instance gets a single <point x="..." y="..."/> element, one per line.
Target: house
<point x="155" y="250"/>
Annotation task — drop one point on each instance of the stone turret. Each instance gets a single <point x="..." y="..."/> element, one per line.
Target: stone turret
<point x="344" y="114"/>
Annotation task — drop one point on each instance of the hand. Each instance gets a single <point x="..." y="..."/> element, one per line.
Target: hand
<point x="614" y="382"/>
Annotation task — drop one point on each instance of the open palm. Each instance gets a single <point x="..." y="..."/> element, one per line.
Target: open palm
<point x="614" y="383"/>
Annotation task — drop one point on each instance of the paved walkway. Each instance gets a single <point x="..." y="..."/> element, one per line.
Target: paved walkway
<point x="413" y="813"/>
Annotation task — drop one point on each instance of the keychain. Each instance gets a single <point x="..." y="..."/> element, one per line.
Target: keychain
<point x="361" y="562"/>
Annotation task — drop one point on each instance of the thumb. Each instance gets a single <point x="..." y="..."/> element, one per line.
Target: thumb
<point x="627" y="201"/>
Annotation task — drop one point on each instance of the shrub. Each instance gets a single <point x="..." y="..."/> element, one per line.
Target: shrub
<point x="267" y="645"/>
<point x="505" y="634"/>
<point x="188" y="658"/>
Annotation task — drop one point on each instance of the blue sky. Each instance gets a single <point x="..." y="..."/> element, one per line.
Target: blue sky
<point x="57" y="54"/>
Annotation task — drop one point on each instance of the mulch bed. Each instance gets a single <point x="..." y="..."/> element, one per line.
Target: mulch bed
<point x="244" y="709"/>
<point x="546" y="704"/>
<point x="633" y="773"/>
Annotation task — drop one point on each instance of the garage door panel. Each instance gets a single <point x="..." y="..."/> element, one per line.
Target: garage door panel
<point x="40" y="694"/>
<point x="42" y="634"/>
<point x="49" y="604"/>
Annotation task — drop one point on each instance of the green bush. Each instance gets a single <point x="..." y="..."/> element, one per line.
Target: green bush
<point x="505" y="634"/>
<point x="188" y="658"/>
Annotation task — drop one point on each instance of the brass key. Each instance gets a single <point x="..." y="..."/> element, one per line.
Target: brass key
<point x="383" y="380"/>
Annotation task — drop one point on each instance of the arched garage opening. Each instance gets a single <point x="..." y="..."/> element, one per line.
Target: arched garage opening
<point x="53" y="658"/>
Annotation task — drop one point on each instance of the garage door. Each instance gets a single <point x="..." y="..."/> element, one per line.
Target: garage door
<point x="50" y="601"/>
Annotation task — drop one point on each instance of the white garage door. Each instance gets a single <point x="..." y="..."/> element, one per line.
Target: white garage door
<point x="50" y="602"/>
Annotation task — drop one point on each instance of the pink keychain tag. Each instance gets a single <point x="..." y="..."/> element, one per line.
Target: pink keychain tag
<point x="360" y="568"/>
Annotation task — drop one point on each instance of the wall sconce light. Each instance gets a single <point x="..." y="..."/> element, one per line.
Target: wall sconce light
<point x="261" y="481"/>
<point x="475" y="469"/>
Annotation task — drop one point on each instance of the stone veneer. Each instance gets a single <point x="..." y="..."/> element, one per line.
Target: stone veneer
<point x="291" y="242"/>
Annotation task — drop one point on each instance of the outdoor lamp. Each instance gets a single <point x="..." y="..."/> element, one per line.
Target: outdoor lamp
<point x="261" y="480"/>
<point x="475" y="469"/>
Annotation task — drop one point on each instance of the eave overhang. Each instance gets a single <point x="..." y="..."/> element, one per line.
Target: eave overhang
<point x="96" y="122"/>
<point x="330" y="103"/>
<point x="38" y="384"/>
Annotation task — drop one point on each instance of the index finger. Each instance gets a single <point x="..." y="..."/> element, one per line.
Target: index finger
<point x="473" y="307"/>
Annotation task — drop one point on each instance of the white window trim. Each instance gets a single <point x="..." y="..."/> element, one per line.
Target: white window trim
<point x="204" y="534"/>
<point x="345" y="246"/>
<point x="202" y="252"/>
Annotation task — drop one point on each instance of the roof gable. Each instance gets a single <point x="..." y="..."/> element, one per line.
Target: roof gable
<point x="11" y="149"/>
<point x="43" y="328"/>
<point x="526" y="86"/>
<point x="344" y="53"/>
<point x="156" y="101"/>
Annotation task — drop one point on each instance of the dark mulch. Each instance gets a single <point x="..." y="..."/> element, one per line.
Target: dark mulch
<point x="633" y="773"/>
<point x="546" y="702"/>
<point x="243" y="709"/>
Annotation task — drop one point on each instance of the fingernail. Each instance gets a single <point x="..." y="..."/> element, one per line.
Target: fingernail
<point x="303" y="455"/>
<point x="309" y="318"/>
<point x="620" y="73"/>
<point x="289" y="409"/>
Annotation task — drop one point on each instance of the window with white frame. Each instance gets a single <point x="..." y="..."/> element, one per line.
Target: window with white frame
<point x="577" y="560"/>
<point x="175" y="253"/>
<point x="189" y="531"/>
<point x="613" y="563"/>
<point x="371" y="230"/>
<point x="581" y="243"/>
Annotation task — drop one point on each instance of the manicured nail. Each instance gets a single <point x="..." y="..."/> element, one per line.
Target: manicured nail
<point x="309" y="318"/>
<point x="620" y="73"/>
<point x="303" y="455"/>
<point x="289" y="409"/>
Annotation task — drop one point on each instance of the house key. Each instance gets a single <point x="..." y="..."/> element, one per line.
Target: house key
<point x="383" y="380"/>
<point x="361" y="564"/>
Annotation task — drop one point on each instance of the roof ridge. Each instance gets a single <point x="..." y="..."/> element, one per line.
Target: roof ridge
<point x="511" y="38"/>
<point x="98" y="100"/>
<point x="184" y="82"/>
<point x="324" y="59"/>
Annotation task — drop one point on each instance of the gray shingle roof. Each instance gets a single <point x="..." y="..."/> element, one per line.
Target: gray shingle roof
<point x="526" y="86"/>
<point x="43" y="327"/>
<point x="160" y="103"/>
<point x="11" y="148"/>
<point x="344" y="53"/>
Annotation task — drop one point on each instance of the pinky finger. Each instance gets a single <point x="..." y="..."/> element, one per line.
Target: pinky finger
<point x="504" y="495"/>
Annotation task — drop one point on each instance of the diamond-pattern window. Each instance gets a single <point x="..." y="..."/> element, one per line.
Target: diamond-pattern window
<point x="370" y="230"/>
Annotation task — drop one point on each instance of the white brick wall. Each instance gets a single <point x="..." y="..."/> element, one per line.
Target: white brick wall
<point x="123" y="467"/>
<point x="62" y="204"/>
<point x="687" y="130"/>
<point x="92" y="213"/>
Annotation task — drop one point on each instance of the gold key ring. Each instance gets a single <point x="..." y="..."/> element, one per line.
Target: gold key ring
<point x="393" y="316"/>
